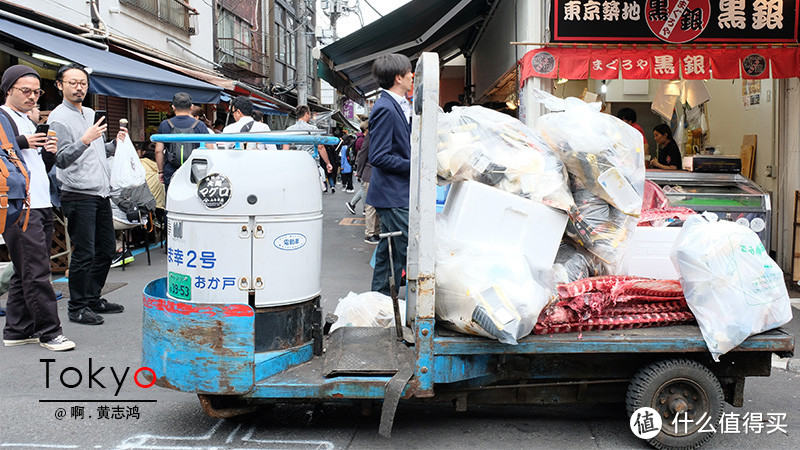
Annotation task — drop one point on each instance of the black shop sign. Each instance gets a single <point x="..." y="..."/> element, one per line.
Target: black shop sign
<point x="675" y="21"/>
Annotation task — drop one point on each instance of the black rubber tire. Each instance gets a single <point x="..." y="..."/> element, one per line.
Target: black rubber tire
<point x="651" y="387"/>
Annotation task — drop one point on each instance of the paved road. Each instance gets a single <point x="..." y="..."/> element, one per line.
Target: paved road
<point x="172" y="420"/>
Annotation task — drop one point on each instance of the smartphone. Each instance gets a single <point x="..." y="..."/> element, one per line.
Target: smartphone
<point x="42" y="128"/>
<point x="99" y="114"/>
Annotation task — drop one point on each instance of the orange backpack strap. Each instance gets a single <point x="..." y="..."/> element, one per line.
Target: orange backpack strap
<point x="12" y="156"/>
<point x="6" y="145"/>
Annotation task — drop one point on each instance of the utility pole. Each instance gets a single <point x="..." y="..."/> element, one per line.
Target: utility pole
<point x="337" y="8"/>
<point x="301" y="42"/>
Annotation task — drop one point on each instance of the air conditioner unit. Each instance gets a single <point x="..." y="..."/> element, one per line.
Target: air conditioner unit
<point x="192" y="31"/>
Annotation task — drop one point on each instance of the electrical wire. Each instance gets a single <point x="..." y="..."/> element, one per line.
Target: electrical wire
<point x="373" y="8"/>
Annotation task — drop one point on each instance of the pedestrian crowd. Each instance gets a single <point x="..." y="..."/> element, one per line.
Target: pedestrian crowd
<point x="66" y="164"/>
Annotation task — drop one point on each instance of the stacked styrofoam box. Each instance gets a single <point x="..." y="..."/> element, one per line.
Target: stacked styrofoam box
<point x="488" y="215"/>
<point x="648" y="253"/>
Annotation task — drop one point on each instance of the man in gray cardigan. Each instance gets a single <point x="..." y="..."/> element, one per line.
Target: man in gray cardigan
<point x="86" y="186"/>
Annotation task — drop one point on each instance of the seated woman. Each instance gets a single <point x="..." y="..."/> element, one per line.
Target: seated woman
<point x="668" y="155"/>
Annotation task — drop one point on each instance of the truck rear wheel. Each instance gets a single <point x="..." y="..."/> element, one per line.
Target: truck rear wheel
<point x="687" y="396"/>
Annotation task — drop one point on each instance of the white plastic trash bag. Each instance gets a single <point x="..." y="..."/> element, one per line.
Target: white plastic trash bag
<point x="370" y="309"/>
<point x="477" y="143"/>
<point x="731" y="284"/>
<point x="604" y="154"/>
<point x="484" y="291"/>
<point x="126" y="169"/>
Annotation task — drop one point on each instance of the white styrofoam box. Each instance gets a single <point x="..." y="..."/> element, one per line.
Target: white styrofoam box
<point x="648" y="253"/>
<point x="488" y="215"/>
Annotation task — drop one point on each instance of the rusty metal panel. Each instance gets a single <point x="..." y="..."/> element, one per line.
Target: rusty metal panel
<point x="308" y="381"/>
<point x="203" y="348"/>
<point x="424" y="370"/>
<point x="672" y="339"/>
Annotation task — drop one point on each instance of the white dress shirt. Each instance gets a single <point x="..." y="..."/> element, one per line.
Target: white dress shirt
<point x="404" y="104"/>
<point x="237" y="126"/>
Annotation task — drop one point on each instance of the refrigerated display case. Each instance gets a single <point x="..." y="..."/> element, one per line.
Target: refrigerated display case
<point x="730" y="196"/>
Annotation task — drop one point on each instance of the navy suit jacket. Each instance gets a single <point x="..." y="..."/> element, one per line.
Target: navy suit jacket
<point x="389" y="154"/>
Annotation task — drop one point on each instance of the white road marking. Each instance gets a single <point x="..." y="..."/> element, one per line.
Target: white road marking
<point x="155" y="442"/>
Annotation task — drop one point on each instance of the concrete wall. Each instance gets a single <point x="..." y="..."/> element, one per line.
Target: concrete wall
<point x="788" y="166"/>
<point x="128" y="22"/>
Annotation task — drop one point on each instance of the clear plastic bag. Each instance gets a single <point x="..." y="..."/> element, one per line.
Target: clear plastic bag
<point x="599" y="227"/>
<point x="126" y="169"/>
<point x="370" y="309"/>
<point x="477" y="143"/>
<point x="731" y="284"/>
<point x="573" y="264"/>
<point x="483" y="291"/>
<point x="605" y="154"/>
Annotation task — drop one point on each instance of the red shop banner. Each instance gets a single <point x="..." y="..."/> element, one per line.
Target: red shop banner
<point x="661" y="63"/>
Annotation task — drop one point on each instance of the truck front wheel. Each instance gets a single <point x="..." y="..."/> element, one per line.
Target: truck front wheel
<point x="687" y="396"/>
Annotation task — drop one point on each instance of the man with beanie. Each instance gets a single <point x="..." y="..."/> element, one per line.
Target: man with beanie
<point x="32" y="309"/>
<point x="85" y="175"/>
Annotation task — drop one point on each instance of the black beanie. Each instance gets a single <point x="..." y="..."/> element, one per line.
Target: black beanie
<point x="14" y="73"/>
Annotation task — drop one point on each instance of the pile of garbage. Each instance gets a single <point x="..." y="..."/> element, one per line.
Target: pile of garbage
<point x="537" y="227"/>
<point x="581" y="174"/>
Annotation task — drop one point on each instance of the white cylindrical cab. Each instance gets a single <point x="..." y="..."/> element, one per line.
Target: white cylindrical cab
<point x="242" y="222"/>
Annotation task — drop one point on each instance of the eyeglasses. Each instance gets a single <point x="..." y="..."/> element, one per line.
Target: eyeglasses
<point x="28" y="91"/>
<point x="76" y="83"/>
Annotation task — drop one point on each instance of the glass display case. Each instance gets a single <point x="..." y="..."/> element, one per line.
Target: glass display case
<point x="730" y="196"/>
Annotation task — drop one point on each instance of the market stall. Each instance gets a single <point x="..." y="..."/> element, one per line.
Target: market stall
<point x="712" y="72"/>
<point x="730" y="196"/>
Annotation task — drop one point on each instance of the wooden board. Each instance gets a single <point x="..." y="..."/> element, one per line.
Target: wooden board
<point x="751" y="140"/>
<point x="748" y="156"/>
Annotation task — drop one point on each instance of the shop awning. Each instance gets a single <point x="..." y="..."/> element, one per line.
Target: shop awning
<point x="259" y="105"/>
<point x="664" y="62"/>
<point x="114" y="75"/>
<point x="447" y="27"/>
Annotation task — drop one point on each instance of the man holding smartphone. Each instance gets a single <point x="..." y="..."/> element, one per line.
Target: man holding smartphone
<point x="32" y="309"/>
<point x="85" y="175"/>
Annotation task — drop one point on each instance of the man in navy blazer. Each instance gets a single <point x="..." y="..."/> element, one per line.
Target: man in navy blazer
<point x="390" y="156"/>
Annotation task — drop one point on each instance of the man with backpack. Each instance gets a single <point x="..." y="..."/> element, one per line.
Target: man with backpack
<point x="32" y="306"/>
<point x="170" y="156"/>
<point x="242" y="111"/>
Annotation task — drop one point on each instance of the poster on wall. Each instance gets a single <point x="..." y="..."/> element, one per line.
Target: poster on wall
<point x="751" y="93"/>
<point x="675" y="21"/>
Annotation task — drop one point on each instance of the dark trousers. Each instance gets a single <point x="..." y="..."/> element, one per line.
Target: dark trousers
<point x="91" y="230"/>
<point x="347" y="180"/>
<point x="392" y="219"/>
<point x="32" y="307"/>
<point x="169" y="170"/>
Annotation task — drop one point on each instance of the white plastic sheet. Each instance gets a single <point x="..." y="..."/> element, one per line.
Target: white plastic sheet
<point x="731" y="284"/>
<point x="370" y="309"/>
<point x="126" y="169"/>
